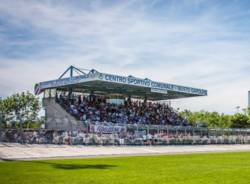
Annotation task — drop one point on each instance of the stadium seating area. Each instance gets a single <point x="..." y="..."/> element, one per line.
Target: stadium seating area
<point x="96" y="109"/>
<point x="128" y="138"/>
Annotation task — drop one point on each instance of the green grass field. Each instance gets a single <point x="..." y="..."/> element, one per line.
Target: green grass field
<point x="216" y="168"/>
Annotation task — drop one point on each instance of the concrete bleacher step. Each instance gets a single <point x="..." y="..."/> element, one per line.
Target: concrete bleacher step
<point x="59" y="119"/>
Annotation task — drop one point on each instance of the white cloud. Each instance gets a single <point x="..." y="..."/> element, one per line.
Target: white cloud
<point x="171" y="44"/>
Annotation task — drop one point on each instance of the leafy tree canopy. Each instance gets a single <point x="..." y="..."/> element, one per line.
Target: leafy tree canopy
<point x="19" y="107"/>
<point x="217" y="120"/>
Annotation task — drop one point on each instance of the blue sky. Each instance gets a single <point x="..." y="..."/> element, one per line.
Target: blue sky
<point x="197" y="43"/>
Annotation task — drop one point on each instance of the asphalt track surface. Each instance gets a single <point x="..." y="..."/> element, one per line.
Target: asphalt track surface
<point x="13" y="151"/>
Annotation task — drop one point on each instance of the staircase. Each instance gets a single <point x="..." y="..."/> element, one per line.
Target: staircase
<point x="59" y="119"/>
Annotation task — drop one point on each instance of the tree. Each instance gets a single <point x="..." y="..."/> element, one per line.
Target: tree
<point x="207" y="119"/>
<point x="240" y="121"/>
<point x="246" y="111"/>
<point x="213" y="119"/>
<point x="2" y="113"/>
<point x="20" y="107"/>
<point x="225" y="121"/>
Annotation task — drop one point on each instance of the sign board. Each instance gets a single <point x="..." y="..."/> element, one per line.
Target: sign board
<point x="107" y="129"/>
<point x="158" y="87"/>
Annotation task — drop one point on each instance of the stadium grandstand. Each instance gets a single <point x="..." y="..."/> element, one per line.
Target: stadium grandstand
<point x="87" y="107"/>
<point x="92" y="97"/>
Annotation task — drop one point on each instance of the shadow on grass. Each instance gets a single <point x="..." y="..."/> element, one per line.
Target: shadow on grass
<point x="7" y="160"/>
<point x="77" y="166"/>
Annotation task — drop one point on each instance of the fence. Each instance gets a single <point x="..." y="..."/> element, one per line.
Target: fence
<point x="134" y="135"/>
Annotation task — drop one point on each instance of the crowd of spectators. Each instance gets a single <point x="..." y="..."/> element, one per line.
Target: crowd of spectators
<point x="129" y="138"/>
<point x="97" y="109"/>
